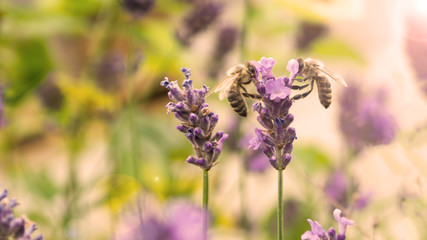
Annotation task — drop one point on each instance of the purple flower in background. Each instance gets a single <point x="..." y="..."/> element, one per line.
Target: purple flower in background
<point x="197" y="121"/>
<point x="138" y="8"/>
<point x="182" y="222"/>
<point x="273" y="114"/>
<point x="365" y="120"/>
<point x="317" y="232"/>
<point x="343" y="223"/>
<point x="254" y="161"/>
<point x="308" y="32"/>
<point x="11" y="227"/>
<point x="337" y="186"/>
<point x="201" y="17"/>
<point x="345" y="191"/>
<point x="225" y="42"/>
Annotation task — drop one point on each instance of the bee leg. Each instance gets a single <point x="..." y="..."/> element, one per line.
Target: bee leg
<point x="303" y="95"/>
<point x="250" y="95"/>
<point x="296" y="87"/>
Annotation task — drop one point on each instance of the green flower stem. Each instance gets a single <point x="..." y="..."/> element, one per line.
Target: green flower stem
<point x="280" y="226"/>
<point x="205" y="203"/>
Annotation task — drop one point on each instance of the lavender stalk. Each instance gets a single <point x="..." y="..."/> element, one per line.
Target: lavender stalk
<point x="197" y="123"/>
<point x="276" y="139"/>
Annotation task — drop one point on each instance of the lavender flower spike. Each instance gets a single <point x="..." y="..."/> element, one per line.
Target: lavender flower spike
<point x="273" y="113"/>
<point x="11" y="227"/>
<point x="344" y="222"/>
<point x="317" y="232"/>
<point x="197" y="121"/>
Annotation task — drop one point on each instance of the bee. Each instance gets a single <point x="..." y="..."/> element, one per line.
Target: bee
<point x="231" y="85"/>
<point x="313" y="71"/>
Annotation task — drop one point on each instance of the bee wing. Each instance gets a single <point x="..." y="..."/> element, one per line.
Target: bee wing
<point x="332" y="75"/>
<point x="223" y="86"/>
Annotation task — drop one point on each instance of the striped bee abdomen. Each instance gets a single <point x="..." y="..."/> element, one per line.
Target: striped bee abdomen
<point x="236" y="101"/>
<point x="325" y="92"/>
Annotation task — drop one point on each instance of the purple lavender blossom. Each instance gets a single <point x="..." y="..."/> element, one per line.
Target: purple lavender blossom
<point x="182" y="222"/>
<point x="138" y="8"/>
<point x="198" y="122"/>
<point x="317" y="232"/>
<point x="201" y="17"/>
<point x="365" y="120"/>
<point x="337" y="187"/>
<point x="343" y="223"/>
<point x="225" y="42"/>
<point x="346" y="192"/>
<point x="273" y="113"/>
<point x="11" y="227"/>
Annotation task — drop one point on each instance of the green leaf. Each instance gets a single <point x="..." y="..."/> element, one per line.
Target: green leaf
<point x="30" y="68"/>
<point x="333" y="47"/>
<point x="313" y="157"/>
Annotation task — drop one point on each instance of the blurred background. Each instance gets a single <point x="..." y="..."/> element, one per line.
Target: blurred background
<point x="88" y="150"/>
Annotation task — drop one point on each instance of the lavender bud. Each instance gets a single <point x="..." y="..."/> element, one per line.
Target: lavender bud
<point x="201" y="163"/>
<point x="193" y="119"/>
<point x="213" y="121"/>
<point x="215" y="155"/>
<point x="217" y="136"/>
<point x="187" y="72"/>
<point x="288" y="120"/>
<point x="176" y="95"/>
<point x="257" y="107"/>
<point x="290" y="135"/>
<point x="288" y="148"/>
<point x="268" y="151"/>
<point x="207" y="146"/>
<point x="182" y="116"/>
<point x="199" y="133"/>
<point x="286" y="159"/>
<point x="273" y="162"/>
<point x="190" y="136"/>
<point x="165" y="83"/>
<point x="204" y="124"/>
<point x="191" y="159"/>
<point x="267" y="139"/>
<point x="265" y="122"/>
<point x="189" y="93"/>
<point x="182" y="128"/>
<point x="331" y="233"/>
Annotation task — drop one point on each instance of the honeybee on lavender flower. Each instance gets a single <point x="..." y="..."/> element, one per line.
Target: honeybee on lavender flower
<point x="314" y="71"/>
<point x="231" y="85"/>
